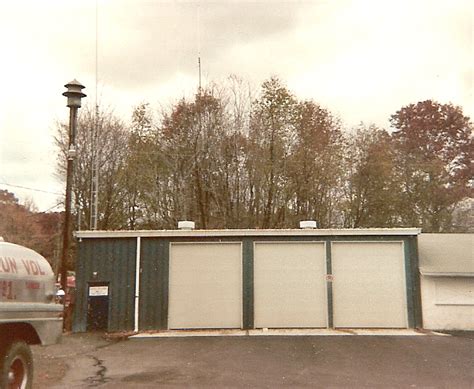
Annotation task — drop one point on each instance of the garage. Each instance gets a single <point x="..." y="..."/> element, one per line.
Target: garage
<point x="290" y="285"/>
<point x="205" y="285"/>
<point x="369" y="285"/>
<point x="255" y="278"/>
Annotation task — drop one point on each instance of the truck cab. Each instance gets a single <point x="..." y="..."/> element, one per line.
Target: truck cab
<point x="28" y="312"/>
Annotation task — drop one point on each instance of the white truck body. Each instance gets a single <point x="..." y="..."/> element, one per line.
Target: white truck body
<point x="28" y="312"/>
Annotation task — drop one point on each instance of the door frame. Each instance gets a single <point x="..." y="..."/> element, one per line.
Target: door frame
<point x="92" y="284"/>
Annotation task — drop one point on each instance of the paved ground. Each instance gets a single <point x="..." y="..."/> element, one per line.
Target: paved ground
<point x="261" y="362"/>
<point x="51" y="363"/>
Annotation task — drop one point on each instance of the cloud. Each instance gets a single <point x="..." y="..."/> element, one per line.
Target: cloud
<point x="148" y="42"/>
<point x="361" y="59"/>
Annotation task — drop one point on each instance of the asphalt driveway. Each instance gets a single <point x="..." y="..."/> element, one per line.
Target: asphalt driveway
<point x="268" y="362"/>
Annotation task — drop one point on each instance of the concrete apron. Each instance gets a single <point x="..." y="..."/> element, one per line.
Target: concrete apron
<point x="285" y="332"/>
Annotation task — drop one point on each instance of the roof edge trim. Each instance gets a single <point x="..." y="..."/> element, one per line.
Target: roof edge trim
<point x="253" y="232"/>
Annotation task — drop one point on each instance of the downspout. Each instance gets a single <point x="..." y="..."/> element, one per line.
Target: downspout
<point x="137" y="284"/>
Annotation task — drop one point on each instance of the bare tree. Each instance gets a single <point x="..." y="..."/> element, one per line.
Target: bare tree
<point x="271" y="138"/>
<point x="315" y="165"/>
<point x="110" y="148"/>
<point x="370" y="185"/>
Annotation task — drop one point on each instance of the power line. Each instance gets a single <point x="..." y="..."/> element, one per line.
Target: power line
<point x="28" y="188"/>
<point x="54" y="206"/>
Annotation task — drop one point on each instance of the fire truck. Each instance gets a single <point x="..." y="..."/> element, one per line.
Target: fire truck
<point x="29" y="313"/>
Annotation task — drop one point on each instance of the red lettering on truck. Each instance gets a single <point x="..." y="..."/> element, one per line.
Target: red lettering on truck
<point x="5" y="265"/>
<point x="8" y="265"/>
<point x="32" y="267"/>
<point x="12" y="262"/>
<point x="32" y="285"/>
<point x="6" y="288"/>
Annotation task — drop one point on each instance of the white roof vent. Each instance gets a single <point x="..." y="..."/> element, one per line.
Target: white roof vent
<point x="186" y="225"/>
<point x="308" y="224"/>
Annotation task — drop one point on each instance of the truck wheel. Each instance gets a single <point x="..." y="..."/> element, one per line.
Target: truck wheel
<point x="16" y="366"/>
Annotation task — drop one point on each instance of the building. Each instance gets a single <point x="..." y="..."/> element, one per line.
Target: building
<point x="306" y="278"/>
<point x="447" y="281"/>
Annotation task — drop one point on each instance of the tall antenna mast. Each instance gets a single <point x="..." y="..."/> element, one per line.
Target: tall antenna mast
<point x="199" y="44"/>
<point x="95" y="134"/>
<point x="199" y="65"/>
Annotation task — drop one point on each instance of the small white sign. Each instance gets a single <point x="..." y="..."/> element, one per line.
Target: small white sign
<point x="98" y="290"/>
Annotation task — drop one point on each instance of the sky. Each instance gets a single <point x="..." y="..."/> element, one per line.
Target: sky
<point x="362" y="60"/>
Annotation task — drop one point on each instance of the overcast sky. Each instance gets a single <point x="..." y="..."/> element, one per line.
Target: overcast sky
<point x="362" y="60"/>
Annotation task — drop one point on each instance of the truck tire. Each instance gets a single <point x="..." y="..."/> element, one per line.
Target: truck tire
<point x="16" y="370"/>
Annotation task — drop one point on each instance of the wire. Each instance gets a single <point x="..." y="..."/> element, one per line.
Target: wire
<point x="96" y="51"/>
<point x="28" y="188"/>
<point x="54" y="206"/>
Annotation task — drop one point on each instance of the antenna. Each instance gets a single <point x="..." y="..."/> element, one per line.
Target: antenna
<point x="199" y="65"/>
<point x="94" y="137"/>
<point x="199" y="44"/>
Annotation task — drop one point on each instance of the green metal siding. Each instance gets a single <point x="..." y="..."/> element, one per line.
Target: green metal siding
<point x="329" y="285"/>
<point x="154" y="269"/>
<point x="248" y="284"/>
<point x="415" y="289"/>
<point x="114" y="262"/>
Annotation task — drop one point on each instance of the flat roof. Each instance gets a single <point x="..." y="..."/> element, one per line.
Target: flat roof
<point x="248" y="232"/>
<point x="452" y="271"/>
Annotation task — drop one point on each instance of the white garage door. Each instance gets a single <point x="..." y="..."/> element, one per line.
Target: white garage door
<point x="290" y="285"/>
<point x="205" y="285"/>
<point x="369" y="285"/>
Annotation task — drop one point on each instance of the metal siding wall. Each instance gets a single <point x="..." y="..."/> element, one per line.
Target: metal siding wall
<point x="153" y="299"/>
<point x="415" y="317"/>
<point x="122" y="258"/>
<point x="329" y="284"/>
<point x="247" y="284"/>
<point x="80" y="308"/>
<point x="409" y="284"/>
<point x="114" y="261"/>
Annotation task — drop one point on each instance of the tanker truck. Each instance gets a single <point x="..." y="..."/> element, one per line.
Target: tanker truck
<point x="28" y="312"/>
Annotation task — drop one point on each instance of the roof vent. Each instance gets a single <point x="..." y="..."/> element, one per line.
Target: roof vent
<point x="186" y="225"/>
<point x="308" y="224"/>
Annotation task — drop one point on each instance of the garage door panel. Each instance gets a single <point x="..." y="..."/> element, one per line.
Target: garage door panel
<point x="290" y="288"/>
<point x="369" y="285"/>
<point x="205" y="286"/>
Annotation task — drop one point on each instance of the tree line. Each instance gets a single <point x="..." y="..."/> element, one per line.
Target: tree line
<point x="230" y="158"/>
<point x="23" y="224"/>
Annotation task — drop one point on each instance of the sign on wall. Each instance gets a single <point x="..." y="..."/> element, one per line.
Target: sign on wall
<point x="98" y="290"/>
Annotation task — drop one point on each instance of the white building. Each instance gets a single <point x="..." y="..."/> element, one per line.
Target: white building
<point x="447" y="281"/>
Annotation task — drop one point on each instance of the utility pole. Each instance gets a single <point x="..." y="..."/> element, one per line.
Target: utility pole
<point x="74" y="95"/>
